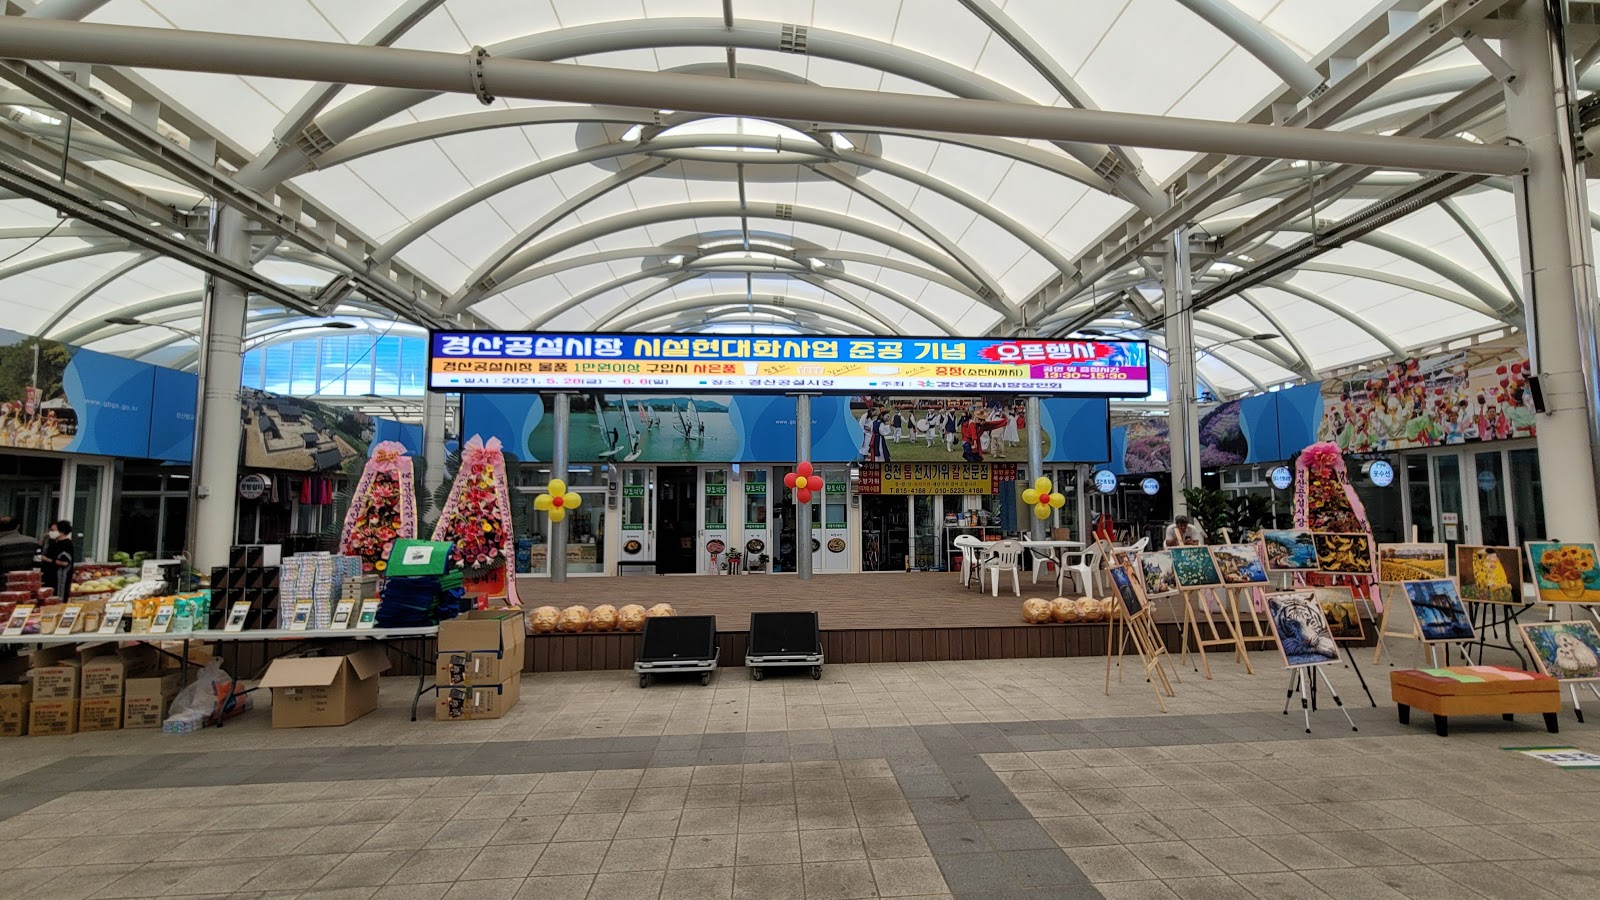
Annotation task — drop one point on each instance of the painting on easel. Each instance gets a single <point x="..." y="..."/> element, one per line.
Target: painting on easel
<point x="1344" y="554"/>
<point x="1412" y="562"/>
<point x="1194" y="567"/>
<point x="1290" y="551"/>
<point x="1489" y="574"/>
<point x="1564" y="573"/>
<point x="1569" y="651"/>
<point x="1301" y="629"/>
<point x="1127" y="586"/>
<point x="1240" y="564"/>
<point x="1440" y="613"/>
<point x="1159" y="575"/>
<point x="1344" y="617"/>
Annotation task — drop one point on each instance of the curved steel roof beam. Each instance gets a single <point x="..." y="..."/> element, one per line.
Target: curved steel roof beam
<point x="616" y="321"/>
<point x="1132" y="180"/>
<point x="51" y="259"/>
<point x="821" y="281"/>
<point x="1027" y="236"/>
<point x="282" y="161"/>
<point x="1254" y="38"/>
<point x="266" y="337"/>
<point x="94" y="287"/>
<point x="1336" y="309"/>
<point x="1305" y="368"/>
<point x="481" y="275"/>
<point x="1400" y="281"/>
<point x="1237" y="330"/>
<point x="1476" y="236"/>
<point x="761" y="316"/>
<point x="384" y="34"/>
<point x="918" y="224"/>
<point x="466" y="123"/>
<point x="676" y="275"/>
<point x="1498" y="305"/>
<point x="730" y="209"/>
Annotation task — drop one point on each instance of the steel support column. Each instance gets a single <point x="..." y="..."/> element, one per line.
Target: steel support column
<point x="433" y="455"/>
<point x="1035" y="461"/>
<point x="802" y="511"/>
<point x="197" y="51"/>
<point x="558" y="469"/>
<point x="1182" y="425"/>
<point x="214" y="473"/>
<point x="1558" y="280"/>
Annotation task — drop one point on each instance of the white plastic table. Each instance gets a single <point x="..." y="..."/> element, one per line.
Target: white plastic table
<point x="1054" y="551"/>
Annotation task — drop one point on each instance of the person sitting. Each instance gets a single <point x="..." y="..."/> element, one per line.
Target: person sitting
<point x="1183" y="533"/>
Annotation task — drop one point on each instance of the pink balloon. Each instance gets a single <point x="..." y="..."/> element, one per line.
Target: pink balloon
<point x="803" y="496"/>
<point x="788" y="480"/>
<point x="804" y="469"/>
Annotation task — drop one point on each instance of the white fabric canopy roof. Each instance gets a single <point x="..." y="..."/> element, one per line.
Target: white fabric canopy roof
<point x="566" y="217"/>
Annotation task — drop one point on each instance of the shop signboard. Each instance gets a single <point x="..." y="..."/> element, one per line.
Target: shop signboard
<point x="902" y="479"/>
<point x="1150" y="486"/>
<point x="636" y="363"/>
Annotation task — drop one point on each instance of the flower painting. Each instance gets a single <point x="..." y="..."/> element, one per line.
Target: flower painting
<point x="1194" y="567"/>
<point x="1290" y="551"/>
<point x="1159" y="575"/>
<point x="1440" y="613"/>
<point x="1300" y="629"/>
<point x="1240" y="564"/>
<point x="1344" y="617"/>
<point x="1489" y="574"/>
<point x="1344" y="554"/>
<point x="1564" y="573"/>
<point x="1412" y="562"/>
<point x="1566" y="650"/>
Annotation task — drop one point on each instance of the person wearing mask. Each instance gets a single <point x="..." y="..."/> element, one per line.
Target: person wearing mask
<point x="17" y="550"/>
<point x="1183" y="533"/>
<point x="59" y="558"/>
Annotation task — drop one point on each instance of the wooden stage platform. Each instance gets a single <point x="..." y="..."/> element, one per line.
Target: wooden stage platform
<point x="879" y="617"/>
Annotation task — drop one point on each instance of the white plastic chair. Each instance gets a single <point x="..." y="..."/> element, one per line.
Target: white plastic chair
<point x="1041" y="560"/>
<point x="968" y="546"/>
<point x="1003" y="556"/>
<point x="1081" y="567"/>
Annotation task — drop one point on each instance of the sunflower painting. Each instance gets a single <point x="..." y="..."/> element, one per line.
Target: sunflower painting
<point x="1564" y="573"/>
<point x="1194" y="567"/>
<point x="1412" y="562"/>
<point x="1344" y="554"/>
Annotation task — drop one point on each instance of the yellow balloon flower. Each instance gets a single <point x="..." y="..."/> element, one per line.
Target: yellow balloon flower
<point x="1030" y="496"/>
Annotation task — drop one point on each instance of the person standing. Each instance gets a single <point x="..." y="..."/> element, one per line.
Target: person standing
<point x="59" y="558"/>
<point x="1183" y="533"/>
<point x="17" y="551"/>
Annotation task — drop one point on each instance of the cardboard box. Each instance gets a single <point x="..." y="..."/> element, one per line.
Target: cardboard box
<point x="100" y="714"/>
<point x="56" y="671"/>
<point x="14" y="702"/>
<point x="104" y="674"/>
<point x="330" y="690"/>
<point x="477" y="701"/>
<point x="144" y="704"/>
<point x="481" y="647"/>
<point x="52" y="717"/>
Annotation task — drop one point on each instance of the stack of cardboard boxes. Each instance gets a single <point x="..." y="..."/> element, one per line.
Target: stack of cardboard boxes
<point x="99" y="689"/>
<point x="478" y="674"/>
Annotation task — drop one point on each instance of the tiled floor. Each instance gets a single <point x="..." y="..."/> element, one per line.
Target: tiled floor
<point x="1000" y="779"/>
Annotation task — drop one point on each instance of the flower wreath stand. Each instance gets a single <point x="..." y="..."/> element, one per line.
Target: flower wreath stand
<point x="383" y="508"/>
<point x="477" y="521"/>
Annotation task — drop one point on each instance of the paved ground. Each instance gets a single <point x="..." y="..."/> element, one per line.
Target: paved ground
<point x="998" y="779"/>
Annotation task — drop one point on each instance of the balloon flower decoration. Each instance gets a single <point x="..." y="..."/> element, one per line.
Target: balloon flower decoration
<point x="557" y="500"/>
<point x="1043" y="498"/>
<point x="802" y="482"/>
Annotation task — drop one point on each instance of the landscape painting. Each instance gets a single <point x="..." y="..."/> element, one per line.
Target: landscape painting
<point x="1290" y="551"/>
<point x="1412" y="562"/>
<point x="1159" y="575"/>
<point x="1440" y="613"/>
<point x="1240" y="563"/>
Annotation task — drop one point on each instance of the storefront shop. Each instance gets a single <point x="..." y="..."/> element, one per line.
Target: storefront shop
<point x="695" y="485"/>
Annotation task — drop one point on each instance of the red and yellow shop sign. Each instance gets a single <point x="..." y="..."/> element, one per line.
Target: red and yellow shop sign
<point x="935" y="478"/>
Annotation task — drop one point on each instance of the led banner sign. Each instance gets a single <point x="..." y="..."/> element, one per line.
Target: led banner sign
<point x="639" y="363"/>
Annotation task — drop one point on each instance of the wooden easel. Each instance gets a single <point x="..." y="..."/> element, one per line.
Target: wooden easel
<point x="1414" y="634"/>
<point x="1260" y="631"/>
<point x="1191" y="624"/>
<point x="1153" y="655"/>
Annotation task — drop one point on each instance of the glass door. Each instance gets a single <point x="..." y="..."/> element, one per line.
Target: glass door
<point x="638" y="514"/>
<point x="925" y="555"/>
<point x="1527" y="497"/>
<point x="835" y="531"/>
<point x="757" y="515"/>
<point x="713" y="520"/>
<point x="1447" y="497"/>
<point x="1494" y="522"/>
